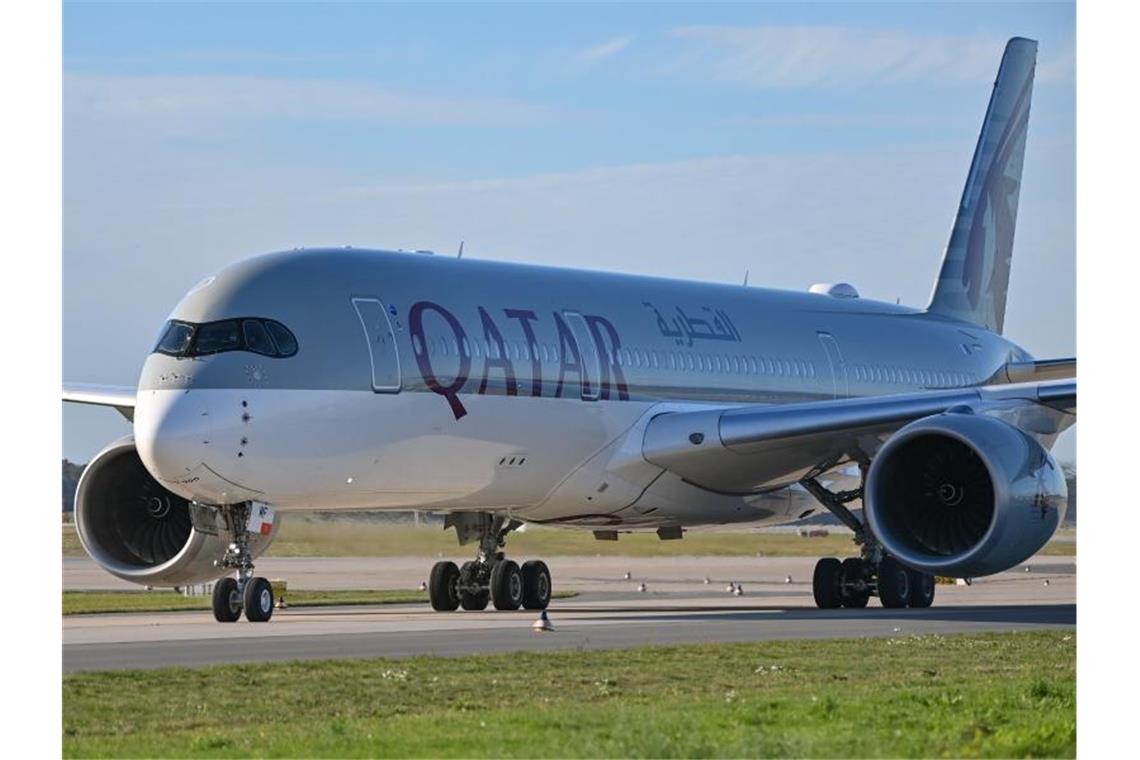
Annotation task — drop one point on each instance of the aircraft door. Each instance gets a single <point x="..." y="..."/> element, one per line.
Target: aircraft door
<point x="838" y="366"/>
<point x="381" y="344"/>
<point x="591" y="357"/>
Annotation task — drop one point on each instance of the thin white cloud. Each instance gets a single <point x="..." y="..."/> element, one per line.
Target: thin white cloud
<point x="187" y="98"/>
<point x="839" y="120"/>
<point x="604" y="50"/>
<point x="836" y="56"/>
<point x="1061" y="68"/>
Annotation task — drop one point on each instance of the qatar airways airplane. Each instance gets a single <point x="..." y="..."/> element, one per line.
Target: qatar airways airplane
<point x="502" y="394"/>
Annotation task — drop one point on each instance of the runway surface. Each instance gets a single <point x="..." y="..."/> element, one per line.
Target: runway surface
<point x="677" y="607"/>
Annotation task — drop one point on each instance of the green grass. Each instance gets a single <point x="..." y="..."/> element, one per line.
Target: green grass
<point x="88" y="602"/>
<point x="306" y="536"/>
<point x="1004" y="695"/>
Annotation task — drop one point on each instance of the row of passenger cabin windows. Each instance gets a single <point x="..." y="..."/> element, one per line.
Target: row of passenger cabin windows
<point x="924" y="378"/>
<point x="261" y="336"/>
<point x="735" y="364"/>
<point x="637" y="358"/>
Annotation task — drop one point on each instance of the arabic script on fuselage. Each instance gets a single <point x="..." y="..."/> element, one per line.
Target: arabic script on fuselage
<point x="684" y="329"/>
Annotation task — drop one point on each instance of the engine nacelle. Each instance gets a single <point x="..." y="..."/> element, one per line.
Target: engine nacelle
<point x="141" y="532"/>
<point x="963" y="495"/>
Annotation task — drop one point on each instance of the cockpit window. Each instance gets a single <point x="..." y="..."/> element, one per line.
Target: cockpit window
<point x="257" y="338"/>
<point x="286" y="343"/>
<point x="262" y="336"/>
<point x="214" y="337"/>
<point x="175" y="338"/>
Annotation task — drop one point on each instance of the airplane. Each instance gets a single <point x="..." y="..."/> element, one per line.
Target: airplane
<point x="501" y="394"/>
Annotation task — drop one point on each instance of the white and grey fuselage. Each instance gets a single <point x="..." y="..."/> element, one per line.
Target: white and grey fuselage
<point x="427" y="382"/>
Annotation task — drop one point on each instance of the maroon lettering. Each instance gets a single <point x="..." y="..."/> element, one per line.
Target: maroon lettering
<point x="419" y="347"/>
<point x="501" y="361"/>
<point x="607" y="356"/>
<point x="568" y="345"/>
<point x="525" y="317"/>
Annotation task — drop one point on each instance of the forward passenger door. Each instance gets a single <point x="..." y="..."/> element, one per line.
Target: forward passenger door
<point x="381" y="342"/>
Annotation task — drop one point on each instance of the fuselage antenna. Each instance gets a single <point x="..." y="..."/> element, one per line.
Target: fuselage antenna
<point x="746" y="278"/>
<point x="460" y="254"/>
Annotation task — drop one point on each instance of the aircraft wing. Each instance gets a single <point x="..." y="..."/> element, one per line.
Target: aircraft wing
<point x="1032" y="371"/>
<point x="742" y="449"/>
<point x="120" y="397"/>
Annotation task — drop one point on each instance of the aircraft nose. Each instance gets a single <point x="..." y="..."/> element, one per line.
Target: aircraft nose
<point x="172" y="431"/>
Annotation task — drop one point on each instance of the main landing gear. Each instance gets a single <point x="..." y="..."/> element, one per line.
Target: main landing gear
<point x="246" y="592"/>
<point x="852" y="582"/>
<point x="490" y="577"/>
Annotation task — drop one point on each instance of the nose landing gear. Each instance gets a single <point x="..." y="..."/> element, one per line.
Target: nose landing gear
<point x="490" y="577"/>
<point x="246" y="592"/>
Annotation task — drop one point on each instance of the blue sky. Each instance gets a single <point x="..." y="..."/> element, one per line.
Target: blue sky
<point x="801" y="142"/>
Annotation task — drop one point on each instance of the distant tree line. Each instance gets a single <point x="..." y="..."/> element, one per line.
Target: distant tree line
<point x="71" y="473"/>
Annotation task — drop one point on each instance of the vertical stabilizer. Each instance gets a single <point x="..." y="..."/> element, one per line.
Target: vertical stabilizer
<point x="974" y="278"/>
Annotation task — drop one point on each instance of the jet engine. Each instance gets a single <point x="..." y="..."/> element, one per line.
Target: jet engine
<point x="141" y="532"/>
<point x="962" y="494"/>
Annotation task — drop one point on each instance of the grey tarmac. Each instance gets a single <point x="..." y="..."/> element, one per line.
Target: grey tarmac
<point x="677" y="607"/>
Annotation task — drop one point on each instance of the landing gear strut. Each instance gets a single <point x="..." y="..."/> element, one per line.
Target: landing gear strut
<point x="246" y="591"/>
<point x="853" y="581"/>
<point x="490" y="577"/>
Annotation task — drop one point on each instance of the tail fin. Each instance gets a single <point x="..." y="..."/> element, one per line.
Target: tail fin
<point x="975" y="269"/>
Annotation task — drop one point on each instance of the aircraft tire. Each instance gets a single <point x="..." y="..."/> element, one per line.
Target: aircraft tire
<point x="226" y="601"/>
<point x="852" y="572"/>
<point x="825" y="583"/>
<point x="921" y="589"/>
<point x="506" y="585"/>
<point x="258" y="600"/>
<point x="894" y="583"/>
<point x="473" y="602"/>
<point x="443" y="588"/>
<point x="469" y="600"/>
<point x="536" y="585"/>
